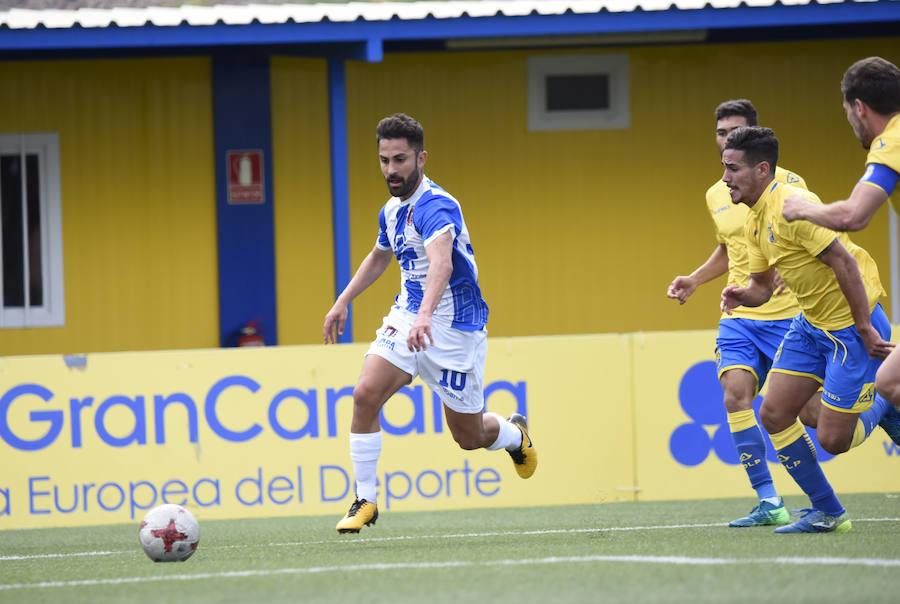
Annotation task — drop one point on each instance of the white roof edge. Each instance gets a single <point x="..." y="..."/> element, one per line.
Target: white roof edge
<point x="235" y="14"/>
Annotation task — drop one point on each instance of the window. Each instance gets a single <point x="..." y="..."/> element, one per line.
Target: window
<point x="31" y="274"/>
<point x="578" y="92"/>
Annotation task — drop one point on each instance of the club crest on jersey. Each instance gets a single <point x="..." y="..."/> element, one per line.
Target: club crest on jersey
<point x="409" y="215"/>
<point x="389" y="332"/>
<point x="771" y="234"/>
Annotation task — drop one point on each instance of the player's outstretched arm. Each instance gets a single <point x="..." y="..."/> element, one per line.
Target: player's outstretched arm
<point x="716" y="265"/>
<point x="368" y="272"/>
<point x="852" y="214"/>
<point x="757" y="292"/>
<point x="846" y="271"/>
<point x="440" y="267"/>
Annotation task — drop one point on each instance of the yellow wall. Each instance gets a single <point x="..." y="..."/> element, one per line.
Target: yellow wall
<point x="574" y="232"/>
<point x="581" y="232"/>
<point x="138" y="200"/>
<point x="303" y="235"/>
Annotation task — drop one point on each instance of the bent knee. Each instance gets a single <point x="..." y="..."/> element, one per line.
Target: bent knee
<point x="737" y="401"/>
<point x="365" y="395"/>
<point x="835" y="442"/>
<point x="888" y="386"/>
<point x="773" y="421"/>
<point x="834" y="445"/>
<point x="366" y="403"/>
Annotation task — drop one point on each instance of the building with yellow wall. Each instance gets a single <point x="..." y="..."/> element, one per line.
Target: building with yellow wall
<point x="575" y="230"/>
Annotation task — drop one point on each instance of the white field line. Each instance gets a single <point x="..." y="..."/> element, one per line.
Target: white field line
<point x="351" y="539"/>
<point x="676" y="560"/>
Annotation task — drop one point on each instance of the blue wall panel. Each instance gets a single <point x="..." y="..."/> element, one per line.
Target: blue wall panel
<point x="246" y="238"/>
<point x="337" y="113"/>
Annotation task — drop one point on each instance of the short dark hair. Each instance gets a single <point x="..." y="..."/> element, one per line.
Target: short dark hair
<point x="739" y="107"/>
<point x="875" y="82"/>
<point x="758" y="144"/>
<point x="401" y="125"/>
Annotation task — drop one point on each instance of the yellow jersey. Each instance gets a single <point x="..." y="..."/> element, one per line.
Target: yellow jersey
<point x="793" y="247"/>
<point x="885" y="150"/>
<point x="729" y="219"/>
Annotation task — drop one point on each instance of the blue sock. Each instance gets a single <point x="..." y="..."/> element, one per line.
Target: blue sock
<point x="798" y="456"/>
<point x="870" y="418"/>
<point x="751" y="449"/>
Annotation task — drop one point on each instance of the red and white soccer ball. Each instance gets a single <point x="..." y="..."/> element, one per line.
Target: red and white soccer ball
<point x="169" y="533"/>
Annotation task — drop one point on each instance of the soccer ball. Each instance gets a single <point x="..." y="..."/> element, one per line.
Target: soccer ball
<point x="169" y="533"/>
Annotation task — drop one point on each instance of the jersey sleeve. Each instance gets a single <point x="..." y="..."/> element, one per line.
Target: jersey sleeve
<point x="382" y="242"/>
<point x="881" y="176"/>
<point x="435" y="217"/>
<point x="885" y="150"/>
<point x="812" y="237"/>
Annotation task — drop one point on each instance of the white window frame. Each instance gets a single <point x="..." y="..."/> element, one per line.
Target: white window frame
<point x="614" y="66"/>
<point x="52" y="312"/>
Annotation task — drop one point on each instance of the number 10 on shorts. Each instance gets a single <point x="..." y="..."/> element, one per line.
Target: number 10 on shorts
<point x="457" y="380"/>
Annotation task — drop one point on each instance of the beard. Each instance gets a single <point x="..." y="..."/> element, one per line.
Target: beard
<point x="862" y="135"/>
<point x="866" y="141"/>
<point x="406" y="187"/>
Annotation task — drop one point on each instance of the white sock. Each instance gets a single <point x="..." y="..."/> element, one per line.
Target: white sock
<point x="365" y="449"/>
<point x="509" y="437"/>
<point x="772" y="500"/>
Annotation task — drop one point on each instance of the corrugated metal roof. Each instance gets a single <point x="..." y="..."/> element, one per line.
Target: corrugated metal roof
<point x="235" y="14"/>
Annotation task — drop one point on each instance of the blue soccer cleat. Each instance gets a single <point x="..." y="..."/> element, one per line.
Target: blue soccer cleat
<point x="765" y="514"/>
<point x="817" y="521"/>
<point x="890" y="423"/>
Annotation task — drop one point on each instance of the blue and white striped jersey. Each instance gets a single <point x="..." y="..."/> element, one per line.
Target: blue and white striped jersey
<point x="406" y="227"/>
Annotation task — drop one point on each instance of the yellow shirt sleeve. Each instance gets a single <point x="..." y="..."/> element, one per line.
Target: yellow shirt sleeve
<point x="885" y="149"/>
<point x="814" y="238"/>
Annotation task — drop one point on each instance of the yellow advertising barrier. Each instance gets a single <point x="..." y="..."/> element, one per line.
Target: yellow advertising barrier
<point x="264" y="432"/>
<point x="684" y="449"/>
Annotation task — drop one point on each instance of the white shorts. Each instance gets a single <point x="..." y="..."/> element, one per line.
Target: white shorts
<point x="453" y="367"/>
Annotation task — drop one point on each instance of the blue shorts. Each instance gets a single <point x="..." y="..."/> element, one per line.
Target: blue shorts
<point x="836" y="359"/>
<point x="749" y="344"/>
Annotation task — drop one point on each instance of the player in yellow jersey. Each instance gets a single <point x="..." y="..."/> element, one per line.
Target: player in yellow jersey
<point x="837" y="342"/>
<point x="747" y="340"/>
<point x="871" y="93"/>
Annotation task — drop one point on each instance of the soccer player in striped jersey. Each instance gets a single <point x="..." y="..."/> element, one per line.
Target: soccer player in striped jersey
<point x="436" y="328"/>
<point x="871" y="99"/>
<point x="838" y="340"/>
<point x="748" y="338"/>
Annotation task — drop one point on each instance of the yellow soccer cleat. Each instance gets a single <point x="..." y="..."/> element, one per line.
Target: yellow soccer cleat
<point x="361" y="513"/>
<point x="525" y="457"/>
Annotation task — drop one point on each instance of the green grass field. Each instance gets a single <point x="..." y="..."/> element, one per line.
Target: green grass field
<point x="623" y="552"/>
